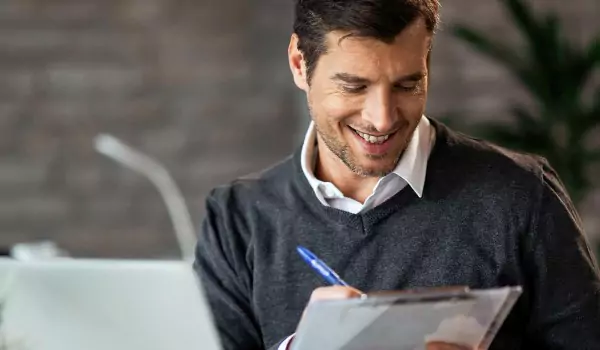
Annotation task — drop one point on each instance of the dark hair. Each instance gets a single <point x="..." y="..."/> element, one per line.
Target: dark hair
<point x="380" y="19"/>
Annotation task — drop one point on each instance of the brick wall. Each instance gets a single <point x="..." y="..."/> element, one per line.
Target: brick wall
<point x="202" y="86"/>
<point x="199" y="85"/>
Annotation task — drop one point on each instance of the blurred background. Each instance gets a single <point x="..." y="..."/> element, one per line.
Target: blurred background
<point x="204" y="88"/>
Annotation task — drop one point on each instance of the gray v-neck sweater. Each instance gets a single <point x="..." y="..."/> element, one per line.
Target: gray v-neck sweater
<point x="488" y="217"/>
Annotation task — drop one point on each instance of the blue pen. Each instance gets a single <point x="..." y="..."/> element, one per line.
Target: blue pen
<point x="327" y="273"/>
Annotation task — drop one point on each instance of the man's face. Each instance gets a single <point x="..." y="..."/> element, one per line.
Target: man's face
<point x="366" y="97"/>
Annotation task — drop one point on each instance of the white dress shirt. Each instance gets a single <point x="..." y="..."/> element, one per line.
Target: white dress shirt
<point x="410" y="170"/>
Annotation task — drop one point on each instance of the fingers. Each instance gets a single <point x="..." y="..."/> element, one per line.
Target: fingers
<point x="334" y="292"/>
<point x="444" y="346"/>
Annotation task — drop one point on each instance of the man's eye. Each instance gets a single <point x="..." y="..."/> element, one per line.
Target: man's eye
<point x="408" y="86"/>
<point x="353" y="89"/>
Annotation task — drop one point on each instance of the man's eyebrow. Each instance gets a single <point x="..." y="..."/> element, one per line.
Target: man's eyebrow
<point x="412" y="77"/>
<point x="349" y="78"/>
<point x="355" y="79"/>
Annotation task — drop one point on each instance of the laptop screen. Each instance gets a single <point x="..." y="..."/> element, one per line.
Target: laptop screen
<point x="74" y="304"/>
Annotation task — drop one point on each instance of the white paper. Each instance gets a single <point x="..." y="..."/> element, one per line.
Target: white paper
<point x="365" y="324"/>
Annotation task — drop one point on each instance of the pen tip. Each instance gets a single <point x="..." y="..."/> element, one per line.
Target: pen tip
<point x="305" y="253"/>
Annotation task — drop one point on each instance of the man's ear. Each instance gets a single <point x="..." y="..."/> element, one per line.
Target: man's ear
<point x="297" y="64"/>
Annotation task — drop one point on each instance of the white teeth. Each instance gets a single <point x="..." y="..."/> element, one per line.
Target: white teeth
<point x="373" y="139"/>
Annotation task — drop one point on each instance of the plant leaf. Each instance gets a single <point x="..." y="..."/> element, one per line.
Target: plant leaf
<point x="592" y="119"/>
<point x="549" y="55"/>
<point x="453" y="121"/>
<point x="580" y="65"/>
<point x="513" y="138"/>
<point x="489" y="48"/>
<point x="593" y="52"/>
<point x="526" y="121"/>
<point x="502" y="135"/>
<point x="542" y="36"/>
<point x="507" y="57"/>
<point x="523" y="18"/>
<point x="535" y="131"/>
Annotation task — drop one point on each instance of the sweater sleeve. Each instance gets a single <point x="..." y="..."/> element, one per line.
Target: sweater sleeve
<point x="564" y="275"/>
<point x="226" y="278"/>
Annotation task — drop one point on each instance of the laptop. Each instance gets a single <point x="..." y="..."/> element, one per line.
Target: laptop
<point x="77" y="304"/>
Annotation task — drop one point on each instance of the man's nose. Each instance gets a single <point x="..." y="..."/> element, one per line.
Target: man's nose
<point x="380" y="110"/>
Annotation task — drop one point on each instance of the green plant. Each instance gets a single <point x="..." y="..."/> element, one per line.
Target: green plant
<point x="557" y="75"/>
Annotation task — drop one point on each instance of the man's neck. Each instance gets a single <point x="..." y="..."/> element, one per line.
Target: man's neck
<point x="329" y="168"/>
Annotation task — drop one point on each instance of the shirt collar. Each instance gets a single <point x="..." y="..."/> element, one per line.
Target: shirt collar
<point x="411" y="167"/>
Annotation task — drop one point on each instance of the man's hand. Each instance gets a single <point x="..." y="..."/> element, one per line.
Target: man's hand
<point x="444" y="346"/>
<point x="332" y="293"/>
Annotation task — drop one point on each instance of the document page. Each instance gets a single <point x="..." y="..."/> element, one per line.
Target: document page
<point x="405" y="322"/>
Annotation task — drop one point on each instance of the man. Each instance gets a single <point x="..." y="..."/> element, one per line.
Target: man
<point x="391" y="199"/>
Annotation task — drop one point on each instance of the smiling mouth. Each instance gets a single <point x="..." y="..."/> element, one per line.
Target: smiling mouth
<point x="371" y="138"/>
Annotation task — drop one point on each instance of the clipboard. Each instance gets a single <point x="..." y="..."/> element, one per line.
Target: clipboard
<point x="406" y="320"/>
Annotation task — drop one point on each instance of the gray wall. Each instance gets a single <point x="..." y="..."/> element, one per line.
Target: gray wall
<point x="203" y="86"/>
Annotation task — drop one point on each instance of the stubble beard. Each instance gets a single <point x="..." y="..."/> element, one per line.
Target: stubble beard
<point x="343" y="152"/>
